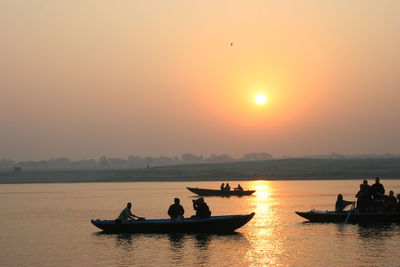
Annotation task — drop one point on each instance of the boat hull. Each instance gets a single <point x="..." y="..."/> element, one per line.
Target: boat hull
<point x="216" y="224"/>
<point x="213" y="192"/>
<point x="364" y="218"/>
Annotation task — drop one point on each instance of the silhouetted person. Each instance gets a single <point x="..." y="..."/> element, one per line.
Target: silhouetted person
<point x="238" y="188"/>
<point x="127" y="214"/>
<point x="392" y="201"/>
<point x="398" y="203"/>
<point x="222" y="186"/>
<point x="363" y="198"/>
<point x="341" y="204"/>
<point x="377" y="189"/>
<point x="201" y="208"/>
<point x="227" y="187"/>
<point x="176" y="210"/>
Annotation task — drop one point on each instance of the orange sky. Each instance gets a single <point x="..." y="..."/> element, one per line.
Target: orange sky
<point x="88" y="78"/>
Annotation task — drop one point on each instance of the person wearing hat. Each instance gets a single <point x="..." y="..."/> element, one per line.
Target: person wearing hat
<point x="201" y="208"/>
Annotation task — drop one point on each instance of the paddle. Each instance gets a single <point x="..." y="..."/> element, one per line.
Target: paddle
<point x="348" y="215"/>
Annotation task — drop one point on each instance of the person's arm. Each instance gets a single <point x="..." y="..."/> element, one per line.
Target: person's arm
<point x="133" y="216"/>
<point x="346" y="203"/>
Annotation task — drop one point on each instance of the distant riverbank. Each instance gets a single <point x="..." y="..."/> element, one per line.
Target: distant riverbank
<point x="282" y="169"/>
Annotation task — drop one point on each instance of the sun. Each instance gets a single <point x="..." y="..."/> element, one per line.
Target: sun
<point x="260" y="99"/>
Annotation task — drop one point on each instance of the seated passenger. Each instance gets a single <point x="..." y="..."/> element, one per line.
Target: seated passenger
<point x="227" y="187"/>
<point x="398" y="203"/>
<point x="127" y="214"/>
<point x="176" y="210"/>
<point x="238" y="188"/>
<point x="392" y="201"/>
<point x="222" y="186"/>
<point x="201" y="208"/>
<point x="341" y="204"/>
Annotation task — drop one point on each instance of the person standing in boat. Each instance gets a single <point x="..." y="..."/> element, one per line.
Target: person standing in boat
<point x="201" y="208"/>
<point x="364" y="197"/>
<point x="127" y="214"/>
<point x="176" y="210"/>
<point x="377" y="189"/>
<point x="341" y="204"/>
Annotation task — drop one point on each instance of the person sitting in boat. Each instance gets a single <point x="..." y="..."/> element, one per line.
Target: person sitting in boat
<point x="341" y="204"/>
<point x="238" y="188"/>
<point x="222" y="186"/>
<point x="398" y="203"/>
<point x="377" y="189"/>
<point x="127" y="214"/>
<point x="227" y="187"/>
<point x="201" y="208"/>
<point x="392" y="201"/>
<point x="176" y="210"/>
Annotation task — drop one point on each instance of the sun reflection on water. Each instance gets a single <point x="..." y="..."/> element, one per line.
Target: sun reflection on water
<point x="264" y="233"/>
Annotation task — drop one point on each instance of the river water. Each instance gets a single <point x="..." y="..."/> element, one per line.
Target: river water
<point x="49" y="225"/>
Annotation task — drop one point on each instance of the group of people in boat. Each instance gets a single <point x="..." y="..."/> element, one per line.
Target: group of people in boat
<point x="371" y="199"/>
<point x="175" y="211"/>
<point x="201" y="208"/>
<point x="227" y="187"/>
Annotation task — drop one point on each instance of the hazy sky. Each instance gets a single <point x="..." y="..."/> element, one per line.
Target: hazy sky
<point x="85" y="78"/>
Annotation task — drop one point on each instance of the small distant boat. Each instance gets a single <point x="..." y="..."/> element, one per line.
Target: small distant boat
<point x="354" y="217"/>
<point x="215" y="224"/>
<point x="214" y="192"/>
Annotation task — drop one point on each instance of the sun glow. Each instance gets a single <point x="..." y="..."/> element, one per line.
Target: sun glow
<point x="260" y="99"/>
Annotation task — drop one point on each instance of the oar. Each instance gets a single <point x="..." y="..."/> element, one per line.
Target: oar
<point x="348" y="215"/>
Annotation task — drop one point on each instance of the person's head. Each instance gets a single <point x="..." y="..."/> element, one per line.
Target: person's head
<point x="223" y="183"/>
<point x="365" y="182"/>
<point x="129" y="205"/>
<point x="176" y="200"/>
<point x="201" y="199"/>
<point x="339" y="197"/>
<point x="391" y="193"/>
<point x="377" y="180"/>
<point x="398" y="196"/>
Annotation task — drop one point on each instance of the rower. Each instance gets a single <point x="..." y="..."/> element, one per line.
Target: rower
<point x="238" y="188"/>
<point x="341" y="204"/>
<point x="127" y="214"/>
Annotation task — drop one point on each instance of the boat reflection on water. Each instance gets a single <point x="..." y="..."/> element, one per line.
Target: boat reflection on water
<point x="184" y="249"/>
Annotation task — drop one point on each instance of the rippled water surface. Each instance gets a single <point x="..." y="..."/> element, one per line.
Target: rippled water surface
<point x="49" y="225"/>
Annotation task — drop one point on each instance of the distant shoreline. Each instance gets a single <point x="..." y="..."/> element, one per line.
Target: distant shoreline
<point x="271" y="170"/>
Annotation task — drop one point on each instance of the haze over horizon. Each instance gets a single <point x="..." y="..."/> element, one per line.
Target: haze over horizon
<point x="82" y="79"/>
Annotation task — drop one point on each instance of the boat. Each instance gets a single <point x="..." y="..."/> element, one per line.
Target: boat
<point x="215" y="192"/>
<point x="214" y="224"/>
<point x="350" y="217"/>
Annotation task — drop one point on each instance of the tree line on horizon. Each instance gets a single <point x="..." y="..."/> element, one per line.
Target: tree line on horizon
<point x="130" y="162"/>
<point x="187" y="158"/>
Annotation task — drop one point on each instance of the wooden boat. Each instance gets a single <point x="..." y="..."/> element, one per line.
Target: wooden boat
<point x="354" y="217"/>
<point x="215" y="224"/>
<point x="214" y="192"/>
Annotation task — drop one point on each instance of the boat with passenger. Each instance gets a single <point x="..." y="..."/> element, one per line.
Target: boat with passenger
<point x="350" y="216"/>
<point x="213" y="224"/>
<point x="216" y="192"/>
